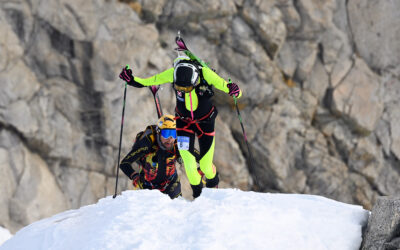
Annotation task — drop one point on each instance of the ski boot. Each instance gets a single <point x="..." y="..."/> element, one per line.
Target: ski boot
<point x="197" y="190"/>
<point x="212" y="183"/>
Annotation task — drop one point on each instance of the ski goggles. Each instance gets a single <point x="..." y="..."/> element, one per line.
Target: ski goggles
<point x="185" y="89"/>
<point x="167" y="133"/>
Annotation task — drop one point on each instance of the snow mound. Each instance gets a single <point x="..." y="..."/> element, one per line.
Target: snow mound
<point x="218" y="219"/>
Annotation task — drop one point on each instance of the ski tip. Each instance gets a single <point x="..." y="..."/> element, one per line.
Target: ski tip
<point x="181" y="44"/>
<point x="127" y="66"/>
<point x="154" y="88"/>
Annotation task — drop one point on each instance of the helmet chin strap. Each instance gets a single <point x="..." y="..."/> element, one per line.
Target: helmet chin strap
<point x="160" y="143"/>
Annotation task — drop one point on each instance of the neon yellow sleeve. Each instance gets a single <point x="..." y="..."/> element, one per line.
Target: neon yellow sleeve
<point x="166" y="76"/>
<point x="214" y="79"/>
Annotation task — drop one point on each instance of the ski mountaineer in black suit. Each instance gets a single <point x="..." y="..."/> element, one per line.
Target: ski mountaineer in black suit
<point x="156" y="153"/>
<point x="195" y="113"/>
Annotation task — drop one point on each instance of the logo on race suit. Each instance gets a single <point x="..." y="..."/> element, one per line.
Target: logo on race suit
<point x="179" y="96"/>
<point x="202" y="90"/>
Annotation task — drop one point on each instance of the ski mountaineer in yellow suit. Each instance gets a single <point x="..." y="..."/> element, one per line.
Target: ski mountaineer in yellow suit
<point x="195" y="113"/>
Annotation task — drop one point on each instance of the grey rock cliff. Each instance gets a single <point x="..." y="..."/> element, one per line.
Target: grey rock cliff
<point x="383" y="230"/>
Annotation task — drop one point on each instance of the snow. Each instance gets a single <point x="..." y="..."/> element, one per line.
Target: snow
<point x="218" y="219"/>
<point x="4" y="235"/>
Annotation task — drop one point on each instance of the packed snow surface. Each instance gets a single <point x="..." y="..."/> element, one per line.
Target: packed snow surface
<point x="4" y="235"/>
<point x="218" y="219"/>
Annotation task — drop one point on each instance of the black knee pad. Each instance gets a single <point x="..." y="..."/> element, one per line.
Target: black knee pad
<point x="212" y="183"/>
<point x="197" y="190"/>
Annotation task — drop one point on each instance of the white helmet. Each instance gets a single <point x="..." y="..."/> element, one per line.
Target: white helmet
<point x="186" y="74"/>
<point x="179" y="59"/>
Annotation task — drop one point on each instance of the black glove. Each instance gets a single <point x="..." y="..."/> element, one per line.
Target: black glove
<point x="126" y="75"/>
<point x="137" y="182"/>
<point x="233" y="89"/>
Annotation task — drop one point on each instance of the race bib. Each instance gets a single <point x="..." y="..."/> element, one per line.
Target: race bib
<point x="183" y="142"/>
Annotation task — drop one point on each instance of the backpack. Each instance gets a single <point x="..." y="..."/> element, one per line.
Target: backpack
<point x="150" y="132"/>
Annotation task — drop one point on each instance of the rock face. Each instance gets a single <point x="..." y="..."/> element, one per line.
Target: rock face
<point x="383" y="231"/>
<point x="320" y="82"/>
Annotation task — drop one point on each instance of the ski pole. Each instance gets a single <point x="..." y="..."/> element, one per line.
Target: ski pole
<point x="154" y="90"/>
<point x="120" y="137"/>
<point x="244" y="135"/>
